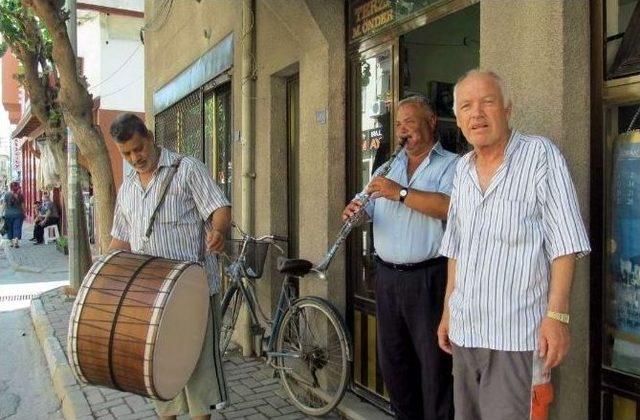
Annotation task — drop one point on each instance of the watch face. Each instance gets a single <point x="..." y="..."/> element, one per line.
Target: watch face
<point x="403" y="192"/>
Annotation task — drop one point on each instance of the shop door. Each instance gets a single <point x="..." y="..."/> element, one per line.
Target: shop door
<point x="426" y="62"/>
<point x="373" y="90"/>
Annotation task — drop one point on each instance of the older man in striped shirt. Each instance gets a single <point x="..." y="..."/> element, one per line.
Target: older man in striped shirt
<point x="192" y="198"/>
<point x="514" y="232"/>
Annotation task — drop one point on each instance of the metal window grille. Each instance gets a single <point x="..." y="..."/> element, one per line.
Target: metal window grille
<point x="179" y="128"/>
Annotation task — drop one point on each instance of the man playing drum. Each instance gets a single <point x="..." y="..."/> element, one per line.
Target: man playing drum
<point x="192" y="201"/>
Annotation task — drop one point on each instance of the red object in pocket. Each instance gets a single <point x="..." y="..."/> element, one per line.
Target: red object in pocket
<point x="541" y="398"/>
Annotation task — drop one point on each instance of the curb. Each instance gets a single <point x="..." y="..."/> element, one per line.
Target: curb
<point x="74" y="403"/>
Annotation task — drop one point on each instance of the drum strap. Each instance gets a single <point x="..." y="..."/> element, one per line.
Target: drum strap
<point x="163" y="192"/>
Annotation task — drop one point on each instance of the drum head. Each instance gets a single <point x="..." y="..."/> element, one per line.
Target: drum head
<point x="181" y="332"/>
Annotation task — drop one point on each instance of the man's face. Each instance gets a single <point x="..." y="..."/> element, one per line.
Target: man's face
<point x="481" y="112"/>
<point x="45" y="197"/>
<point x="139" y="151"/>
<point x="416" y="126"/>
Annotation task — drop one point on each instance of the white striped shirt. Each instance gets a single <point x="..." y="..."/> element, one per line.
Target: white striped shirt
<point x="504" y="241"/>
<point x="178" y="228"/>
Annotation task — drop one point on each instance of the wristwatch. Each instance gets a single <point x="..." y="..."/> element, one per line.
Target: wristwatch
<point x="558" y="316"/>
<point x="403" y="194"/>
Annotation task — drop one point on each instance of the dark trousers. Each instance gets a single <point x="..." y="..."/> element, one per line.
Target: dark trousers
<point x="416" y="372"/>
<point x="38" y="230"/>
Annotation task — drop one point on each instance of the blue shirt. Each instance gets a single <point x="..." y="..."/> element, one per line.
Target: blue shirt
<point x="402" y="235"/>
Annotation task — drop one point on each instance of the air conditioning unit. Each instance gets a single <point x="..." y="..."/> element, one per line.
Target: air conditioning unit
<point x="378" y="108"/>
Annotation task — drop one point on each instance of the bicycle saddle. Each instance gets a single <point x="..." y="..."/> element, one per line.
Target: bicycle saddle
<point x="297" y="268"/>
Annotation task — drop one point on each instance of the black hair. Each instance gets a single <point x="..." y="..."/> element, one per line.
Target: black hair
<point x="126" y="125"/>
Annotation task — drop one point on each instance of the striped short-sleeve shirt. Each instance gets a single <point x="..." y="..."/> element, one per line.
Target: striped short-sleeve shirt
<point x="503" y="241"/>
<point x="178" y="230"/>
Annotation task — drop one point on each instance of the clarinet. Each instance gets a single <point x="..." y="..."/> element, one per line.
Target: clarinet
<point x="354" y="220"/>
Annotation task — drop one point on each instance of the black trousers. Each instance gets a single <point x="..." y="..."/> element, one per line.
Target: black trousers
<point x="416" y="372"/>
<point x="38" y="231"/>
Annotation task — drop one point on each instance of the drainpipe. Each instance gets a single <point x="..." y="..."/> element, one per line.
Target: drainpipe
<point x="247" y="129"/>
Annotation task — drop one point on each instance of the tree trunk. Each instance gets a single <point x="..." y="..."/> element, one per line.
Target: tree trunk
<point x="77" y="107"/>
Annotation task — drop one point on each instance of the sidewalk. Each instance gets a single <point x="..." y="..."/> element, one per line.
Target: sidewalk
<point x="254" y="393"/>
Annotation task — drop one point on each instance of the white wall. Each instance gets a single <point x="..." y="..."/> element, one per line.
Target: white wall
<point x="113" y="59"/>
<point x="136" y="5"/>
<point x="89" y="45"/>
<point x="122" y="58"/>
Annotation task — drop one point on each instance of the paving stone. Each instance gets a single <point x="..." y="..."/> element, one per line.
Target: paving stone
<point x="265" y="388"/>
<point x="276" y="402"/>
<point x="247" y="404"/>
<point x="232" y="378"/>
<point x="268" y="410"/>
<point x="106" y="417"/>
<point x="242" y="390"/>
<point x="250" y="382"/>
<point x="240" y="413"/>
<point x="262" y="395"/>
<point x="106" y="405"/>
<point x="94" y="396"/>
<point x="136" y="402"/>
<point x="258" y="416"/>
<point x="120" y="410"/>
<point x="292" y="416"/>
<point x="139" y="415"/>
<point x="289" y="409"/>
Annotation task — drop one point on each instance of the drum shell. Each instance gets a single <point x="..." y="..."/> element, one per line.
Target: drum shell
<point x="119" y="316"/>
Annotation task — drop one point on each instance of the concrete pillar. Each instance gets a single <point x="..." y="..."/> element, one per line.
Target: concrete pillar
<point x="541" y="48"/>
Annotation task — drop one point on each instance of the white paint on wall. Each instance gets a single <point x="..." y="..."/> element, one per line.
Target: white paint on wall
<point x="113" y="59"/>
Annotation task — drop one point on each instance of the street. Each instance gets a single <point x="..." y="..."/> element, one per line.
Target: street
<point x="26" y="391"/>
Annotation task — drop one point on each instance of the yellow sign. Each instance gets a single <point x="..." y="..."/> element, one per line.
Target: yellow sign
<point x="369" y="16"/>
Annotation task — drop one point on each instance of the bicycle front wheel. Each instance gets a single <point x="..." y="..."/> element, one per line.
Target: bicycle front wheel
<point x="313" y="355"/>
<point x="230" y="310"/>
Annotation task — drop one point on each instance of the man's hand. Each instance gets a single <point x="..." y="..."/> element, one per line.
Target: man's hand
<point x="443" y="333"/>
<point x="353" y="207"/>
<point x="554" y="342"/>
<point x="215" y="240"/>
<point x="384" y="187"/>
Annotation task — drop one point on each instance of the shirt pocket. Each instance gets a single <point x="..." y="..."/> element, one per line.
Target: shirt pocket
<point x="510" y="221"/>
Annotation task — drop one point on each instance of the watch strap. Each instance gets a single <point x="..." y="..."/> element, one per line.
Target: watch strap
<point x="558" y="316"/>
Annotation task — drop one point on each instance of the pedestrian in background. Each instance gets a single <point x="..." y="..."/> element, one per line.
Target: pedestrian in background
<point x="47" y="215"/>
<point x="13" y="201"/>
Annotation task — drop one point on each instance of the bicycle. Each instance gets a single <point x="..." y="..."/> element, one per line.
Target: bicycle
<point x="308" y="344"/>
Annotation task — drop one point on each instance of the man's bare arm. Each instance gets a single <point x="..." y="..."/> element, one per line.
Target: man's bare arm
<point x="432" y="204"/>
<point x="554" y="335"/>
<point x="118" y="244"/>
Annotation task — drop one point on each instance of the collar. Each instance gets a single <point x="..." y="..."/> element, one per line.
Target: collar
<point x="166" y="159"/>
<point x="437" y="148"/>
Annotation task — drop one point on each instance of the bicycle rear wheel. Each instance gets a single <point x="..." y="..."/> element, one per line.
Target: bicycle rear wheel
<point x="313" y="355"/>
<point x="230" y="310"/>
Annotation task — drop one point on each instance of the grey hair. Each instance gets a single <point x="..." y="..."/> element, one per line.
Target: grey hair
<point x="419" y="101"/>
<point x="502" y="85"/>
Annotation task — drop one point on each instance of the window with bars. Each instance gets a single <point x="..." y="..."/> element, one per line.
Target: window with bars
<point x="179" y="128"/>
<point x="199" y="125"/>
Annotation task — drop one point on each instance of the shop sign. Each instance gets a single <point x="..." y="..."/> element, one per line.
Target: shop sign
<point x="371" y="139"/>
<point x="17" y="154"/>
<point x="368" y="16"/>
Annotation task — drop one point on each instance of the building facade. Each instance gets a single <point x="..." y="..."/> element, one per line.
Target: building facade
<point x="110" y="56"/>
<point x="290" y="105"/>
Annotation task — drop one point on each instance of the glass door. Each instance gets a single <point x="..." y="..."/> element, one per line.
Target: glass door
<point x="373" y="92"/>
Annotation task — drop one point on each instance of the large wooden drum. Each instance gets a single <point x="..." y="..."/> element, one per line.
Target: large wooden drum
<point x="138" y="324"/>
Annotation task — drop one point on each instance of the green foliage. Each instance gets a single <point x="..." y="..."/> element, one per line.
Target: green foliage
<point x="62" y="241"/>
<point x="21" y="30"/>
